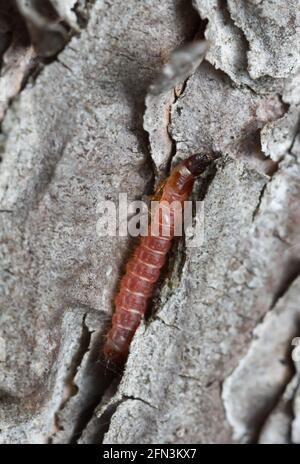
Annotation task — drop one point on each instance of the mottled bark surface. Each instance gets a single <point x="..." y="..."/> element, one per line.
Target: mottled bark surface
<point x="216" y="361"/>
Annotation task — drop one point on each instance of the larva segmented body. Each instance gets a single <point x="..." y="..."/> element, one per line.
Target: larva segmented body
<point x="143" y="268"/>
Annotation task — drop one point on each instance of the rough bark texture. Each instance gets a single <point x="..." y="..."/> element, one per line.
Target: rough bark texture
<point x="214" y="361"/>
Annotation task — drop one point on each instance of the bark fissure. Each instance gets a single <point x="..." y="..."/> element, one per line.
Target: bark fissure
<point x="71" y="388"/>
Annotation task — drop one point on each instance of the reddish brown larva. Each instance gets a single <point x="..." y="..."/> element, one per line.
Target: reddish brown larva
<point x="143" y="268"/>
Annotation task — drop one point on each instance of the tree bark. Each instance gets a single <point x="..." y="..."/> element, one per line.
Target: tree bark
<point x="216" y="360"/>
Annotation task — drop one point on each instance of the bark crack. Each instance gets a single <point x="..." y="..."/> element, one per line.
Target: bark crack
<point x="291" y="274"/>
<point x="253" y="422"/>
<point x="261" y="196"/>
<point x="71" y="388"/>
<point x="32" y="66"/>
<point x="142" y="400"/>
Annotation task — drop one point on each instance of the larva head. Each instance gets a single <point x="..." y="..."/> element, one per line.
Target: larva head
<point x="197" y="164"/>
<point x="183" y="175"/>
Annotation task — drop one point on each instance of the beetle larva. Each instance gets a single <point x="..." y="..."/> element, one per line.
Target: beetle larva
<point x="143" y="268"/>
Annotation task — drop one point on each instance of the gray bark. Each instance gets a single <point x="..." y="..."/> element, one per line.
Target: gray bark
<point x="217" y="359"/>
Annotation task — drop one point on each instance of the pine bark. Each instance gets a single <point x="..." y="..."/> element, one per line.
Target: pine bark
<point x="216" y="360"/>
